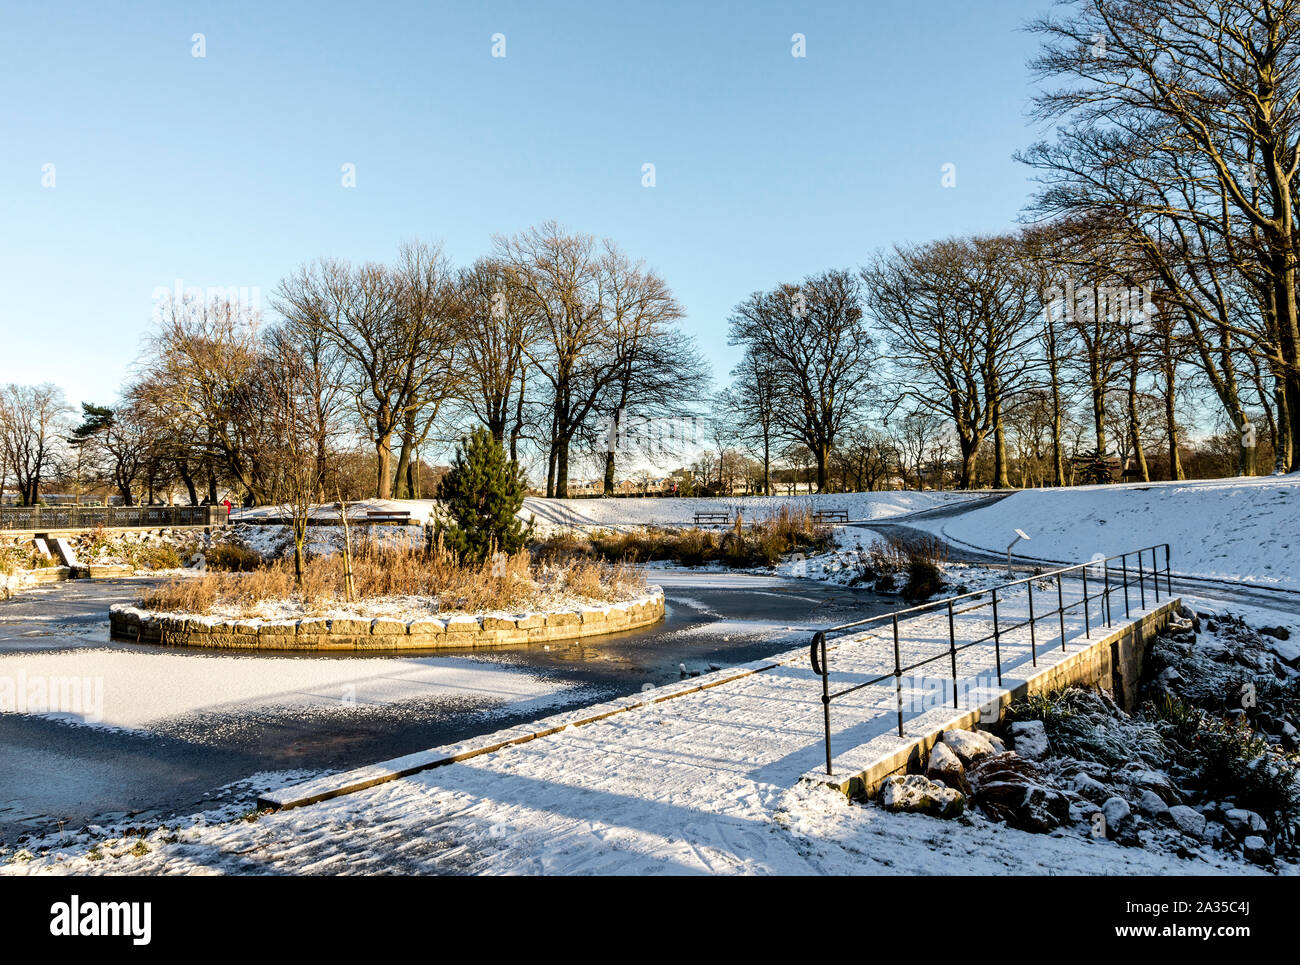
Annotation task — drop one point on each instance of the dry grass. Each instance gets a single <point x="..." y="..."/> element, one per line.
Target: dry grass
<point x="920" y="557"/>
<point x="431" y="575"/>
<point x="17" y="557"/>
<point x="760" y="543"/>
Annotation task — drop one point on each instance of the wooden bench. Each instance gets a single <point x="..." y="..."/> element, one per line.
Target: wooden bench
<point x="831" y="516"/>
<point x="394" y="516"/>
<point x="712" y="519"/>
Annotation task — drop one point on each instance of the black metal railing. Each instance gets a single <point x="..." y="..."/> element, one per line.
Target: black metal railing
<point x="1114" y="578"/>
<point x="43" y="519"/>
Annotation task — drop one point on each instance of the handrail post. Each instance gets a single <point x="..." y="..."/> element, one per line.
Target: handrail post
<point x="1087" y="617"/>
<point x="898" y="678"/>
<point x="1128" y="615"/>
<point x="1169" y="582"/>
<point x="1060" y="607"/>
<point x="1142" y="583"/>
<point x="822" y="667"/>
<point x="952" y="653"/>
<point x="997" y="643"/>
<point x="1155" y="574"/>
<point x="1105" y="596"/>
<point x="1033" y="640"/>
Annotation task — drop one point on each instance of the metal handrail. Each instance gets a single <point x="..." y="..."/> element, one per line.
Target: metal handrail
<point x="819" y="656"/>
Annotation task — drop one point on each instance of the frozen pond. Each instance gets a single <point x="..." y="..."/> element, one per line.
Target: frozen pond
<point x="164" y="731"/>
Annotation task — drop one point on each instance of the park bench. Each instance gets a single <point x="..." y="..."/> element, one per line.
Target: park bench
<point x="712" y="519"/>
<point x="397" y="517"/>
<point x="831" y="516"/>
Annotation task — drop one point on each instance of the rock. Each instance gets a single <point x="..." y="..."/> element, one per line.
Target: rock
<point x="1256" y="849"/>
<point x="1118" y="814"/>
<point x="1215" y="833"/>
<point x="1188" y="820"/>
<point x="1243" y="823"/>
<point x="945" y="766"/>
<point x="1288" y="651"/>
<point x="1157" y="781"/>
<point x="1277" y="633"/>
<point x="968" y="745"/>
<point x="1290" y="736"/>
<point x="1029" y="737"/>
<point x="1007" y="788"/>
<point x="1089" y="787"/>
<point x="1150" y="803"/>
<point x="917" y="794"/>
<point x="998" y="746"/>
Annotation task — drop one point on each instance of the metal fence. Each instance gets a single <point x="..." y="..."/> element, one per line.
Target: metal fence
<point x="1116" y="575"/>
<point x="44" y="519"/>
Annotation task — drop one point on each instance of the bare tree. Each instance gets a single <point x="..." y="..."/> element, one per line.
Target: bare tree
<point x="1181" y="122"/>
<point x="816" y="345"/>
<point x="33" y="420"/>
<point x="957" y="315"/>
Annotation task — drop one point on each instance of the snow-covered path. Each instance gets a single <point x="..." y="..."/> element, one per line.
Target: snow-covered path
<point x="705" y="782"/>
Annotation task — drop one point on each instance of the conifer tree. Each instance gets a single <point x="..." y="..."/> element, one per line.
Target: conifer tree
<point x="481" y="495"/>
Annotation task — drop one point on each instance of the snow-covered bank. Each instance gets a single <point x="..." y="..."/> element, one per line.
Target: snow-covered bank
<point x="1232" y="529"/>
<point x="634" y="512"/>
<point x="622" y="513"/>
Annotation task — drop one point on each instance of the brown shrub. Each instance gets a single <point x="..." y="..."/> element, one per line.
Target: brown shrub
<point x="432" y="574"/>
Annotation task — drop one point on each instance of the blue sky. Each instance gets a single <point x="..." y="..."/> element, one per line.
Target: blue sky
<point x="226" y="170"/>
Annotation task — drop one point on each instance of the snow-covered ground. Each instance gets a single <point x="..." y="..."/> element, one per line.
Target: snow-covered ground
<point x="1232" y="529"/>
<point x="706" y="782"/>
<point x="621" y="514"/>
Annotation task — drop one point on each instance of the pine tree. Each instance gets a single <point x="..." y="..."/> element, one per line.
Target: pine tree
<point x="482" y="493"/>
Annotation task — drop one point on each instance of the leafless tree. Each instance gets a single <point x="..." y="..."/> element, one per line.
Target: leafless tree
<point x="33" y="423"/>
<point x="1180" y="122"/>
<point x="814" y="341"/>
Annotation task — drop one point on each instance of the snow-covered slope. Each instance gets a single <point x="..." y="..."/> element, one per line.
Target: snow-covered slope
<point x="624" y="513"/>
<point x="1234" y="529"/>
<point x="618" y="513"/>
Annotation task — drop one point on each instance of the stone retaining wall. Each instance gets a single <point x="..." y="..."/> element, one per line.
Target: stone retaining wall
<point x="382" y="633"/>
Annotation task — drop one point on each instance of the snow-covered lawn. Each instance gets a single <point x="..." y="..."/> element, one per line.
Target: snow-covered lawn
<point x="620" y="513"/>
<point x="629" y="513"/>
<point x="1232" y="529"/>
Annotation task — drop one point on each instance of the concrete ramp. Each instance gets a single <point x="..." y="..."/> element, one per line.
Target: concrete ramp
<point x="67" y="555"/>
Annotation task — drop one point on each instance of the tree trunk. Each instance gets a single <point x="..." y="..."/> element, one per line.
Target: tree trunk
<point x="1135" y="425"/>
<point x="1286" y="439"/>
<point x="1171" y="426"/>
<point x="562" y="468"/>
<point x="183" y="467"/>
<point x="609" y="472"/>
<point x="1000" y="478"/>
